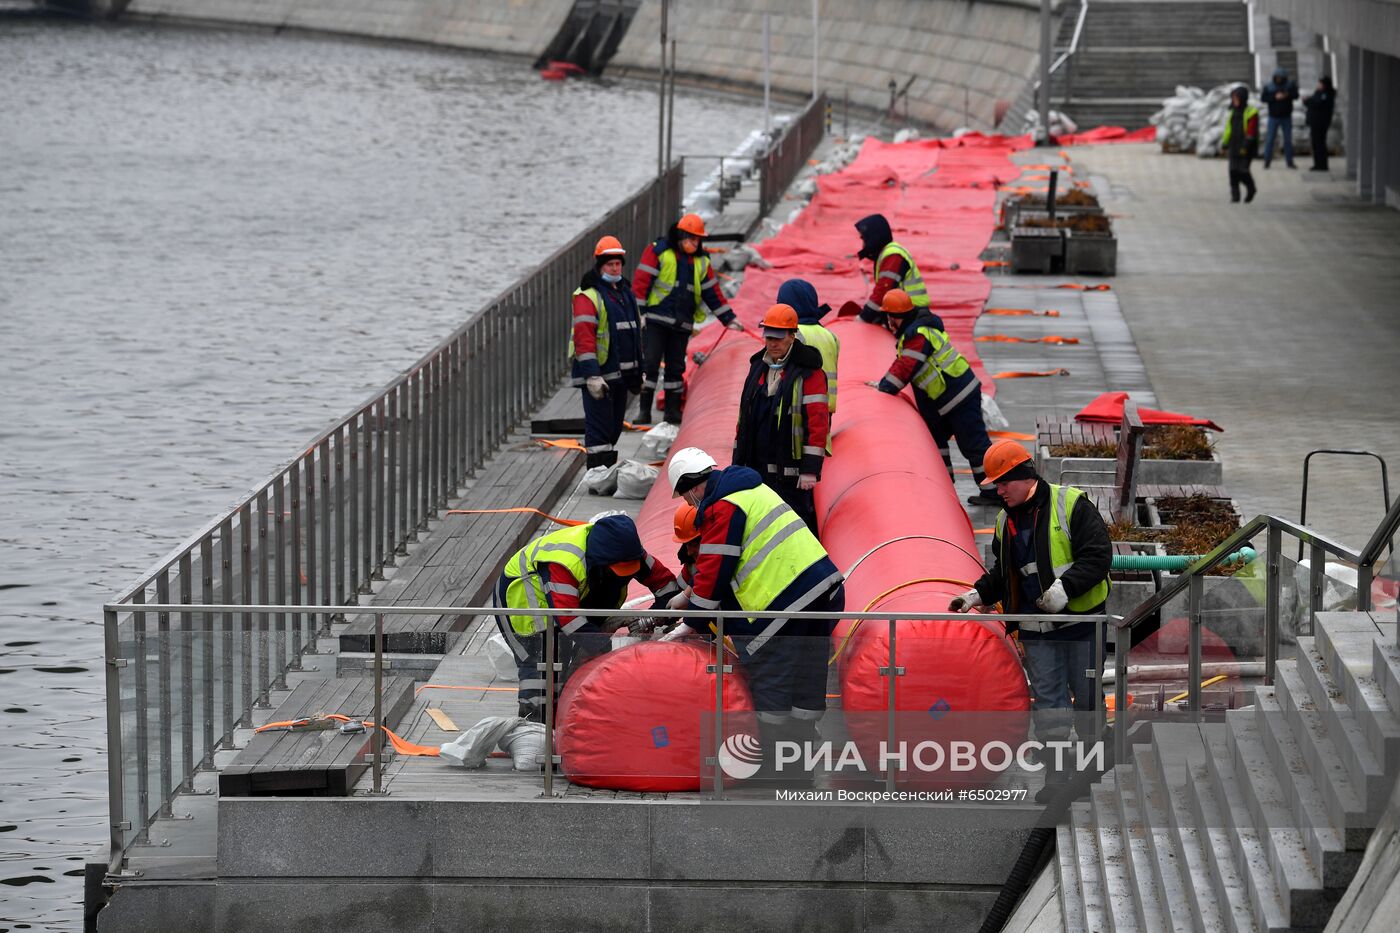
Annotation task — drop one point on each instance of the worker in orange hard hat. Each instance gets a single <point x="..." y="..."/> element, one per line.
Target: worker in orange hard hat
<point x="1050" y="554"/>
<point x="946" y="391"/>
<point x="785" y="414"/>
<point x="676" y="284"/>
<point x="605" y="350"/>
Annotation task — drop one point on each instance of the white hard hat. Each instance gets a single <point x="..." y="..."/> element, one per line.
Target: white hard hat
<point x="687" y="461"/>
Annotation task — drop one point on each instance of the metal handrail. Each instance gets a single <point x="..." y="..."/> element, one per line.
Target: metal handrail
<point x="786" y="156"/>
<point x="1068" y="53"/>
<point x="1380" y="538"/>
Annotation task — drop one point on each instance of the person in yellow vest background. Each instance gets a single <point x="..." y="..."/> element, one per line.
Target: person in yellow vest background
<point x="605" y="350"/>
<point x="676" y="285"/>
<point x="1050" y="554"/>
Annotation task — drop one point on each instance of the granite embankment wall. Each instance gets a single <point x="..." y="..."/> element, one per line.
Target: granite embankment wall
<point x="966" y="57"/>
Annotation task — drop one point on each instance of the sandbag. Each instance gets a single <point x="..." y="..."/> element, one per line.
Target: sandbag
<point x="473" y="747"/>
<point x="641" y="718"/>
<point x="501" y="657"/>
<point x="658" y="441"/>
<point x="601" y="480"/>
<point x="525" y="745"/>
<point x="634" y="480"/>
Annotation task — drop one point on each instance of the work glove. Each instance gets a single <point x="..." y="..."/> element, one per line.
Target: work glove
<point x="680" y="601"/>
<point x="1054" y="599"/>
<point x="966" y="602"/>
<point x="806" y="482"/>
<point x="677" y="633"/>
<point x="734" y="325"/>
<point x="597" y="387"/>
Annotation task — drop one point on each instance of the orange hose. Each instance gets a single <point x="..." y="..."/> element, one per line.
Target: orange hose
<point x="892" y="590"/>
<point x="1012" y="435"/>
<point x="1019" y="312"/>
<point x="554" y="518"/>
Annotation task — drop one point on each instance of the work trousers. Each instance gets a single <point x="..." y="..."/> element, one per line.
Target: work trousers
<point x="1319" y="147"/>
<point x="665" y="346"/>
<point x="1277" y="125"/>
<point x="602" y="423"/>
<point x="1245" y="178"/>
<point x="963" y="422"/>
<point x="570" y="651"/>
<point x="787" y="674"/>
<point x="1058" y="665"/>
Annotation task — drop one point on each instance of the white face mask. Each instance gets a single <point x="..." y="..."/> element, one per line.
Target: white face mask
<point x="611" y="278"/>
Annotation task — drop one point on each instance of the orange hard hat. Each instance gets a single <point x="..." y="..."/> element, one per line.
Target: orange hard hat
<point x="625" y="568"/>
<point x="687" y="529"/>
<point x="896" y="301"/>
<point x="609" y="246"/>
<point x="781" y="317"/>
<point x="692" y="224"/>
<point x="1001" y="458"/>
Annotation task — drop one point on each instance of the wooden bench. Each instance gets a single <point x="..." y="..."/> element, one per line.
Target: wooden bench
<point x="459" y="562"/>
<point x="315" y="762"/>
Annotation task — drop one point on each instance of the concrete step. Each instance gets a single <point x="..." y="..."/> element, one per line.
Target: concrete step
<point x="1067" y="874"/>
<point x="1368" y="778"/>
<point x="1234" y="840"/>
<point x="1212" y="908"/>
<point x="1119" y="892"/>
<point x="1346" y="643"/>
<point x="1335" y="854"/>
<point x="1166" y="865"/>
<point x="1321" y="757"/>
<point x="1201" y="23"/>
<point x="1385" y="667"/>
<point x="1132" y="113"/>
<point x="1216" y="880"/>
<point x="1152" y="914"/>
<point x="1086" y="857"/>
<point x="1298" y="879"/>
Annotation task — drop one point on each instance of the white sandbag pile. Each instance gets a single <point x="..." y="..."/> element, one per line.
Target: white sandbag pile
<point x="634" y="480"/>
<point x="1060" y="124"/>
<point x="1193" y="120"/>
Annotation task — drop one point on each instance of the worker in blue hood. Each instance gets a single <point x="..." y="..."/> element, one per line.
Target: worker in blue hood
<point x="799" y="295"/>
<point x="894" y="267"/>
<point x="1279" y="95"/>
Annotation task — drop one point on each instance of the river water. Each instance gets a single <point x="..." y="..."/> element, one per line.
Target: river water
<point x="212" y="244"/>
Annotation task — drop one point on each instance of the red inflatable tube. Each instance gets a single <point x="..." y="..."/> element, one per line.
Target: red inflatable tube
<point x="641" y="718"/>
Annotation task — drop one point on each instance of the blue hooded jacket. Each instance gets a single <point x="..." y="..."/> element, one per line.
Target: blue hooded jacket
<point x="613" y="539"/>
<point x="875" y="235"/>
<point x="799" y="295"/>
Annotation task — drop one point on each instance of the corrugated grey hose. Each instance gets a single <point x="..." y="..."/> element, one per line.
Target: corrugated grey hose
<point x="1038" y="847"/>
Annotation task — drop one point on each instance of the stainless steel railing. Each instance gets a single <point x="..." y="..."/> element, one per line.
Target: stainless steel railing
<point x="335" y="516"/>
<point x="785" y="158"/>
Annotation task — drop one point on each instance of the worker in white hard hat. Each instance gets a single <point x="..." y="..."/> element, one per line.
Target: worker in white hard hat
<point x="756" y="554"/>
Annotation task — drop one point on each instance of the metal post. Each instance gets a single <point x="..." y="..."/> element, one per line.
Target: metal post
<point x="117" y="822"/>
<point x="342" y="440"/>
<point x="1272" y="582"/>
<point x="269" y="565"/>
<point x="245" y="628"/>
<point x="1100" y="709"/>
<point x="167" y="770"/>
<point x="351" y="497"/>
<point x="816" y="48"/>
<point x="226" y="633"/>
<point x="187" y="762"/>
<point x="845" y="113"/>
<point x="378" y="740"/>
<point x="891" y="672"/>
<point x="1045" y="51"/>
<point x="767" y="74"/>
<point x="367" y="539"/>
<point x="1120" y="694"/>
<point x="671" y="103"/>
<point x="289" y="569"/>
<point x="1317" y="566"/>
<point x="549" y="655"/>
<point x="661" y="95"/>
<point x="138" y="664"/>
<point x="1194" y="587"/>
<point x="206" y="626"/>
<point x="383" y="492"/>
<point x="720" y="668"/>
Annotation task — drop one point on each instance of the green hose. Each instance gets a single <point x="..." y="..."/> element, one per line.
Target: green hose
<point x="1174" y="562"/>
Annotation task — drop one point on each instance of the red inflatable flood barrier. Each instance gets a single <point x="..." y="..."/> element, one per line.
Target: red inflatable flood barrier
<point x="885" y="480"/>
<point x="640" y="718"/>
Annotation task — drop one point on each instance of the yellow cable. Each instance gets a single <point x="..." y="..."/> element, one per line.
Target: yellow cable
<point x="871" y="605"/>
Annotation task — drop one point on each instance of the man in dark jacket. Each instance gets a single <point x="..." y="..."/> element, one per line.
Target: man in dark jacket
<point x="1320" y="107"/>
<point x="1279" y="95"/>
<point x="606" y="350"/>
<point x="784" y="414"/>
<point x="1240" y="142"/>
<point x="1050" y="554"/>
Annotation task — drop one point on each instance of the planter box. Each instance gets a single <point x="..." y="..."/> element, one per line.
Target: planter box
<point x="1098" y="471"/>
<point x="1090" y="253"/>
<point x="1036" y="249"/>
<point x="1014" y="213"/>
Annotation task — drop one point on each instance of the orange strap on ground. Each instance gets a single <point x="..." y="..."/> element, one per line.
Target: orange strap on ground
<point x="554" y="518"/>
<point x="1007" y="338"/>
<point x="564" y="443"/>
<point x="401" y="745"/>
<point x="994" y="264"/>
<point x="1012" y="435"/>
<point x="1019" y="312"/>
<point x="636" y="427"/>
<point x="420" y="688"/>
<point x="984" y="531"/>
<point x="1031" y="374"/>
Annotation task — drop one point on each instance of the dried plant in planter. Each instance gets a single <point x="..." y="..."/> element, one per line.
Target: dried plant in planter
<point x="1161" y="442"/>
<point x="1080" y="223"/>
<point x="1074" y="197"/>
<point x="1196" y="525"/>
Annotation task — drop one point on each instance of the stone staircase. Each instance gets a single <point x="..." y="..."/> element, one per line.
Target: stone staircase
<point x="1279" y="43"/>
<point x="1255" y="823"/>
<point x="1133" y="53"/>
